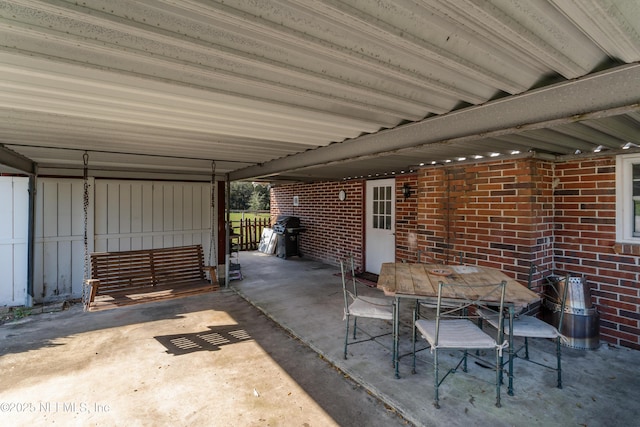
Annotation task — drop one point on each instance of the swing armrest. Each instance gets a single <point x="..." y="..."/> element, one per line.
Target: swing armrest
<point x="213" y="274"/>
<point x="95" y="284"/>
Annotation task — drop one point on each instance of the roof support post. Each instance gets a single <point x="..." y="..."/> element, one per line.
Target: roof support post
<point x="31" y="241"/>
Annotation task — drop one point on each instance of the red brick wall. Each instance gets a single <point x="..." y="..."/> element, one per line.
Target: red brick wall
<point x="407" y="218"/>
<point x="496" y="214"/>
<point x="504" y="214"/>
<point x="334" y="228"/>
<point x="585" y="207"/>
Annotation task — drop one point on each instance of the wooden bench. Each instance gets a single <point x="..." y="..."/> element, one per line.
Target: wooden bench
<point x="129" y="277"/>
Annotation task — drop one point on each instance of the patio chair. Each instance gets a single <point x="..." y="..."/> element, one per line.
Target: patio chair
<point x="527" y="325"/>
<point x="361" y="306"/>
<point x="453" y="328"/>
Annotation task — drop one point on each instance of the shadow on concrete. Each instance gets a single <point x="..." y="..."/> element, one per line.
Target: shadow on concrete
<point x="210" y="340"/>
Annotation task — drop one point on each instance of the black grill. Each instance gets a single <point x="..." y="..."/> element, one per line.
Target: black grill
<point x="288" y="230"/>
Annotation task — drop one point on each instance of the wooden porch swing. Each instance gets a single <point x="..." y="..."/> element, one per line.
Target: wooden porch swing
<point x="133" y="277"/>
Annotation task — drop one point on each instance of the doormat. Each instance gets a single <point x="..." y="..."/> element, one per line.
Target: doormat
<point x="365" y="278"/>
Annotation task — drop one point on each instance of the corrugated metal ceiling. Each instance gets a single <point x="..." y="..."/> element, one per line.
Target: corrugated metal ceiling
<point x="312" y="89"/>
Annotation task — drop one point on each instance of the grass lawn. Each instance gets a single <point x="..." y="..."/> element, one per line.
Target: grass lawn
<point x="237" y="216"/>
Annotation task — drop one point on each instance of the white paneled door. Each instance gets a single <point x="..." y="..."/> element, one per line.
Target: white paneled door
<point x="380" y="224"/>
<point x="14" y="217"/>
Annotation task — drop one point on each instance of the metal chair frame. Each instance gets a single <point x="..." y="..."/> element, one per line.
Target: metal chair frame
<point x="432" y="260"/>
<point x="381" y="304"/>
<point x="458" y="310"/>
<point x="514" y="353"/>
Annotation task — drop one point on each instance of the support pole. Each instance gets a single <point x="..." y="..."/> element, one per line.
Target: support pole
<point x="227" y="228"/>
<point x="86" y="285"/>
<point x="31" y="241"/>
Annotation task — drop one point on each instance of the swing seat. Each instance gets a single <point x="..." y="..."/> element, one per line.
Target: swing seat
<point x="132" y="277"/>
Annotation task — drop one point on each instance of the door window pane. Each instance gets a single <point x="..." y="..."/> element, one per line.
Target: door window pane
<point x="382" y="207"/>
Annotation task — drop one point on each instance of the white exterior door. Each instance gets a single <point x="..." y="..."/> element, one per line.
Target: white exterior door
<point x="380" y="224"/>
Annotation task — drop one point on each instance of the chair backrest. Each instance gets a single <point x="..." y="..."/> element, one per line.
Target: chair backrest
<point x="346" y="267"/>
<point x="460" y="301"/>
<point x="536" y="286"/>
<point x="556" y="297"/>
<point x="532" y="270"/>
<point x="430" y="259"/>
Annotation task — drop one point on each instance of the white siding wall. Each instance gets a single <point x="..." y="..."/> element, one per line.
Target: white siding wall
<point x="14" y="217"/>
<point x="59" y="231"/>
<point x="123" y="215"/>
<point x="127" y="215"/>
<point x="132" y="215"/>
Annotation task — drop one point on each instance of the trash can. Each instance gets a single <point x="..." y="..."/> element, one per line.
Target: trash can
<point x="581" y="321"/>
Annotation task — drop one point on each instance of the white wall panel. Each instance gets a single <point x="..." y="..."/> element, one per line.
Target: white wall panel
<point x="151" y="214"/>
<point x="14" y="214"/>
<point x="59" y="232"/>
<point x="122" y="215"/>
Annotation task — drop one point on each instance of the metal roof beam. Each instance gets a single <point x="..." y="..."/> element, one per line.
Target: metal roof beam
<point x="610" y="92"/>
<point x="15" y="161"/>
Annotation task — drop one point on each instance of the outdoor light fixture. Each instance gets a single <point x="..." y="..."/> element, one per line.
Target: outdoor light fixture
<point x="406" y="190"/>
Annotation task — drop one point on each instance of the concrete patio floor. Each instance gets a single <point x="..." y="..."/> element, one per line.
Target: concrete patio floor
<point x="205" y="360"/>
<point x="215" y="359"/>
<point x="305" y="297"/>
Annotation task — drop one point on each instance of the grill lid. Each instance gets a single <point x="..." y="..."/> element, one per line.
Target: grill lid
<point x="286" y="223"/>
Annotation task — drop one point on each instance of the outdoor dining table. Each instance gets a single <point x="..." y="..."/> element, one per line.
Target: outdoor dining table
<point x="420" y="282"/>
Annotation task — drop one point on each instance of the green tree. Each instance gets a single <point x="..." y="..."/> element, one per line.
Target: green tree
<point x="249" y="196"/>
<point x="256" y="203"/>
<point x="261" y="193"/>
<point x="240" y="195"/>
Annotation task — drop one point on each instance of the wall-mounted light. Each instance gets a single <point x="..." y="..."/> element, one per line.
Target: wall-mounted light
<point x="406" y="190"/>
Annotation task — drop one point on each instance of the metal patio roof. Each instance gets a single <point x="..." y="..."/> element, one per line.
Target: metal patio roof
<point x="311" y="89"/>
